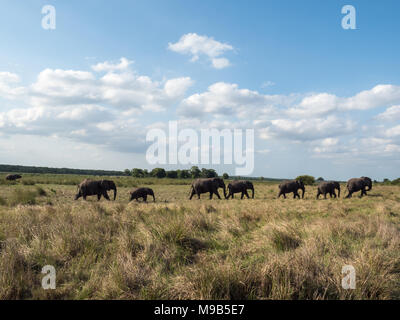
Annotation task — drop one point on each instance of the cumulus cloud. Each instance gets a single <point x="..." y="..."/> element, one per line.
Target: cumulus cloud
<point x="307" y="129"/>
<point x="390" y="114"/>
<point x="109" y="66"/>
<point x="196" y="45"/>
<point x="95" y="109"/>
<point x="228" y="99"/>
<point x="9" y="88"/>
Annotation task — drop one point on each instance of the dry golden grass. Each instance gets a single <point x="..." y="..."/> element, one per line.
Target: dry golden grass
<point x="263" y="248"/>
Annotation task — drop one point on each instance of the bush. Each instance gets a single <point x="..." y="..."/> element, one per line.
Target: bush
<point x="22" y="196"/>
<point x="28" y="182"/>
<point x="40" y="191"/>
<point x="307" y="180"/>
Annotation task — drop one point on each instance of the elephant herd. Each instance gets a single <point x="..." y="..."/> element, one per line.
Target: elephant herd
<point x="211" y="185"/>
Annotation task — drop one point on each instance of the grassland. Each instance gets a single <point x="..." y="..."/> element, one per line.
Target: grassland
<point x="262" y="248"/>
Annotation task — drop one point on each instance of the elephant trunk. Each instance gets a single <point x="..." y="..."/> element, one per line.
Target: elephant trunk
<point x="369" y="186"/>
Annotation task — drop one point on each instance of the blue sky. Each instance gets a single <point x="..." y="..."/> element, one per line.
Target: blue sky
<point x="323" y="100"/>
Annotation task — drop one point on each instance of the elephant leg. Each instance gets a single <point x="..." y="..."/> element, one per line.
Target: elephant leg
<point x="98" y="196"/>
<point x="324" y="195"/>
<point x="242" y="195"/>
<point x="217" y="193"/>
<point x="318" y="194"/>
<point x="192" y="194"/>
<point x="105" y="195"/>
<point x="349" y="195"/>
<point x="247" y="195"/>
<point x="334" y="194"/>
<point x="84" y="197"/>
<point x="211" y="195"/>
<point x="145" y="198"/>
<point x="284" y="195"/>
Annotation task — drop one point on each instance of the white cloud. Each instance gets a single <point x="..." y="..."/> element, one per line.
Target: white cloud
<point x="267" y="84"/>
<point x="227" y="99"/>
<point x="8" y="88"/>
<point x="220" y="63"/>
<point x="307" y="129"/>
<point x="393" y="132"/>
<point x="177" y="87"/>
<point x="197" y="45"/>
<point x="390" y="114"/>
<point x="109" y="66"/>
<point x="89" y="108"/>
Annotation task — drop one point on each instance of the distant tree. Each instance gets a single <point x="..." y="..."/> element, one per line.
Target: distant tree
<point x="396" y="182"/>
<point x="195" y="172"/>
<point x="146" y="173"/>
<point x="261" y="178"/>
<point x="127" y="172"/>
<point x="137" y="173"/>
<point x="183" y="174"/>
<point x="307" y="180"/>
<point x="158" y="173"/>
<point x="225" y="176"/>
<point x="320" y="179"/>
<point x="173" y="174"/>
<point x="208" y="173"/>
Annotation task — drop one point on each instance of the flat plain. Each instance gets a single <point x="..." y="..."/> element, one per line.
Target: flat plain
<point x="262" y="248"/>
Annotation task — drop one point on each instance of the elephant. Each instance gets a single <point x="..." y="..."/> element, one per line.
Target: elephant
<point x="240" y="186"/>
<point x="291" y="186"/>
<point x="90" y="187"/>
<point x="205" y="185"/>
<point x="13" y="177"/>
<point x="328" y="187"/>
<point x="141" y="193"/>
<point x="357" y="184"/>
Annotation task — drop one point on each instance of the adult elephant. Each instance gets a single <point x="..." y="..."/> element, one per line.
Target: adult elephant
<point x="13" y="177"/>
<point x="205" y="185"/>
<point x="95" y="187"/>
<point x="240" y="186"/>
<point x="326" y="187"/>
<point x="291" y="186"/>
<point x="141" y="193"/>
<point x="357" y="184"/>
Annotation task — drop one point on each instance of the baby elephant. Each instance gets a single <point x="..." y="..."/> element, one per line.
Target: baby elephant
<point x="326" y="187"/>
<point x="240" y="186"/>
<point x="141" y="193"/>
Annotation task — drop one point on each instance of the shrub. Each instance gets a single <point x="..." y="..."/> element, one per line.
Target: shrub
<point x="40" y="191"/>
<point x="22" y="196"/>
<point x="307" y="180"/>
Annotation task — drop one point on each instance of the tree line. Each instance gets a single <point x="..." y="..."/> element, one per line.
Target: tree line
<point x="42" y="170"/>
<point x="194" y="172"/>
